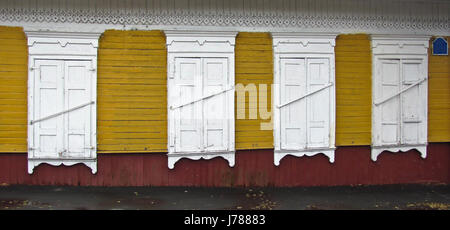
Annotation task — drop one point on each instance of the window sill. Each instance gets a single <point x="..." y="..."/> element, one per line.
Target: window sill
<point x="377" y="150"/>
<point x="279" y="154"/>
<point x="89" y="162"/>
<point x="174" y="157"/>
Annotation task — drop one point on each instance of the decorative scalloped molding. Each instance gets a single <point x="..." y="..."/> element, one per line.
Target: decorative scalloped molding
<point x="200" y="37"/>
<point x="377" y="150"/>
<point x="406" y="16"/>
<point x="63" y="38"/>
<point x="81" y="43"/>
<point x="416" y="44"/>
<point x="323" y="43"/>
<point x="91" y="163"/>
<point x="281" y="154"/>
<point x="173" y="158"/>
<point x="303" y="38"/>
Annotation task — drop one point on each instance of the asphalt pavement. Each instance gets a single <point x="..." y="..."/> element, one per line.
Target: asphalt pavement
<point x="386" y="197"/>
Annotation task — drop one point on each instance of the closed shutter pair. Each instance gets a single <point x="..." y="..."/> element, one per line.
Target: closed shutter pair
<point x="62" y="110"/>
<point x="399" y="104"/>
<point x="200" y="105"/>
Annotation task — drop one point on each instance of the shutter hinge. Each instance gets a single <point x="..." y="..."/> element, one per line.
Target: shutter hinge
<point x="92" y="69"/>
<point x="172" y="144"/>
<point x="91" y="148"/>
<point x="33" y="68"/>
<point x="32" y="148"/>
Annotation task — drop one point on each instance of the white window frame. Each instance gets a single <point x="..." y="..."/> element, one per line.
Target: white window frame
<point x="200" y="44"/>
<point x="304" y="46"/>
<point x="403" y="48"/>
<point x="62" y="46"/>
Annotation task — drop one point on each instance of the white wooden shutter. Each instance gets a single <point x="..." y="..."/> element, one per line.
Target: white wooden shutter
<point x="304" y="111"/>
<point x="399" y="120"/>
<point x="200" y="97"/>
<point x="388" y="111"/>
<point x="188" y="118"/>
<point x="78" y="91"/>
<point x="305" y="103"/>
<point x="411" y="102"/>
<point x="293" y="115"/>
<point x="318" y="104"/>
<point x="62" y="94"/>
<point x="48" y="100"/>
<point x="215" y="124"/>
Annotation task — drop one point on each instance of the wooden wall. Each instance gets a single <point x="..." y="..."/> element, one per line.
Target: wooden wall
<point x="353" y="166"/>
<point x="254" y="65"/>
<point x="438" y="97"/>
<point x="13" y="89"/>
<point x="132" y="92"/>
<point x="353" y="90"/>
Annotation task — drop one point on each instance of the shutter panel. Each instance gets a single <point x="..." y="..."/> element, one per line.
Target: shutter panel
<point x="188" y="118"/>
<point x="389" y="110"/>
<point x="293" y="115"/>
<point x="411" y="103"/>
<point x="48" y="100"/>
<point x="77" y="122"/>
<point x="318" y="117"/>
<point x="215" y="124"/>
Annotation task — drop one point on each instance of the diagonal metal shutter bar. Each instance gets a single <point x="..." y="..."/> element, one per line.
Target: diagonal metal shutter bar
<point x="200" y="99"/>
<point x="306" y="95"/>
<point x="62" y="112"/>
<point x="399" y="92"/>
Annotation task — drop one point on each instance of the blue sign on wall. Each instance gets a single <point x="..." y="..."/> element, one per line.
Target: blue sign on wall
<point x="440" y="46"/>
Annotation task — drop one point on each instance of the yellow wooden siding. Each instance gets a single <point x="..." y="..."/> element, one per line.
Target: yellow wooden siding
<point x="353" y="90"/>
<point x="132" y="86"/>
<point x="13" y="90"/>
<point x="254" y="64"/>
<point x="438" y="97"/>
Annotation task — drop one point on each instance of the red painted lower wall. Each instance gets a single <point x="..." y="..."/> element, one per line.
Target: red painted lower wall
<point x="253" y="168"/>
